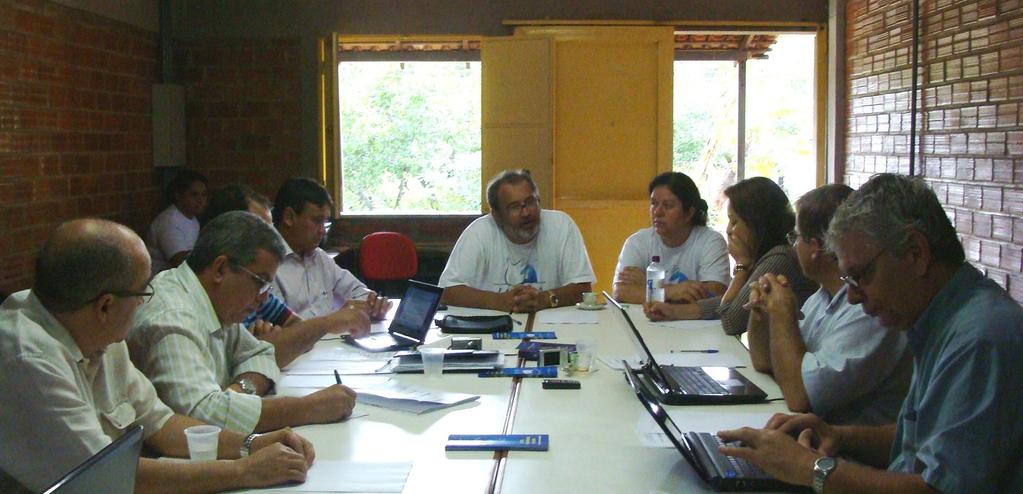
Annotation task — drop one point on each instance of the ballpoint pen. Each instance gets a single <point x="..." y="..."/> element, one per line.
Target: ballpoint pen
<point x="709" y="350"/>
<point x="337" y="376"/>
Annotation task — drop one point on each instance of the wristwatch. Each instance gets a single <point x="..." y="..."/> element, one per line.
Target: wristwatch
<point x="822" y="468"/>
<point x="247" y="386"/>
<point x="247" y="445"/>
<point x="553" y="299"/>
<point x="739" y="267"/>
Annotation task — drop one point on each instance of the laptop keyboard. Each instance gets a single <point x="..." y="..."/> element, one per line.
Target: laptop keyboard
<point x="740" y="467"/>
<point x="694" y="380"/>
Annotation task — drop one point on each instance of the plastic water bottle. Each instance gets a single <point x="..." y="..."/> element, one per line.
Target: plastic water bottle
<point x="655" y="280"/>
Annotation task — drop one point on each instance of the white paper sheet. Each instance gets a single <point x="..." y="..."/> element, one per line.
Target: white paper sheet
<point x="567" y="317"/>
<point x="324" y="380"/>
<point x="402" y="397"/>
<point x="351" y="476"/>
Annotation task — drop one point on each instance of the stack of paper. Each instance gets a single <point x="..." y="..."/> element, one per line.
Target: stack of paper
<point x="402" y="397"/>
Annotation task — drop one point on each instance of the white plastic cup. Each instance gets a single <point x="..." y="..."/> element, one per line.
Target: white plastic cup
<point x="433" y="361"/>
<point x="589" y="298"/>
<point x="202" y="441"/>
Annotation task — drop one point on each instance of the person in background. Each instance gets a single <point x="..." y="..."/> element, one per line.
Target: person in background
<point x="759" y="218"/>
<point x="273" y="315"/>
<point x="694" y="257"/>
<point x="173" y="232"/>
<point x="959" y="429"/>
<point x="309" y="280"/>
<point x="68" y="389"/>
<point x="518" y="258"/>
<point x="837" y="362"/>
<point x="190" y="342"/>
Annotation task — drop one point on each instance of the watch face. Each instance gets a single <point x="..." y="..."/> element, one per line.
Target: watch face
<point x="826" y="463"/>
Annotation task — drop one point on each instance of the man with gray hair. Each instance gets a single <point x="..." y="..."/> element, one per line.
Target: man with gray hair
<point x="67" y="387"/>
<point x="959" y="429"/>
<point x="518" y="258"/>
<point x="189" y="341"/>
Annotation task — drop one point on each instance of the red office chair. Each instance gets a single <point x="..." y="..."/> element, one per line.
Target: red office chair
<point x="387" y="260"/>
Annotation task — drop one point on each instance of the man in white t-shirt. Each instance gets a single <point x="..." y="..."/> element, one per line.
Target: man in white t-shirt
<point x="173" y="232"/>
<point x="518" y="258"/>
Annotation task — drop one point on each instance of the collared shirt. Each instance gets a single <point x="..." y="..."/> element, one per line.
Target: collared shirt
<point x="483" y="258"/>
<point x="273" y="310"/>
<point x="171" y="232"/>
<point x="57" y="406"/>
<point x="178" y="342"/>
<point x="314" y="285"/>
<point x="854" y="371"/>
<point x="960" y="425"/>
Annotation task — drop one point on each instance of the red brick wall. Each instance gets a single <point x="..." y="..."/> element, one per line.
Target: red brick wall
<point x="75" y="126"/>
<point x="243" y="110"/>
<point x="970" y="115"/>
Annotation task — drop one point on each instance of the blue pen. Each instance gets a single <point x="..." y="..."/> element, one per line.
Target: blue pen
<point x="709" y="350"/>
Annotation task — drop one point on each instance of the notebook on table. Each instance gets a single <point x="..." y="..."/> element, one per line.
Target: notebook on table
<point x="675" y="385"/>
<point x="111" y="470"/>
<point x="411" y="321"/>
<point x="700" y="449"/>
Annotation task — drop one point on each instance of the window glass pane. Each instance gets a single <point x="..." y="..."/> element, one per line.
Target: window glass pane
<point x="705" y="127"/>
<point x="410" y="137"/>
<point x="780" y="135"/>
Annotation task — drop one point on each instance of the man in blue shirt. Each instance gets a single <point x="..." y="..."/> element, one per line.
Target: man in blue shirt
<point x="837" y="362"/>
<point x="958" y="430"/>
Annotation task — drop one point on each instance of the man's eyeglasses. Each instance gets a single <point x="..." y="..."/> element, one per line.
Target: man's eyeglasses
<point x="856" y="280"/>
<point x="147" y="295"/>
<point x="264" y="285"/>
<point x="517" y="207"/>
<point x="792" y="237"/>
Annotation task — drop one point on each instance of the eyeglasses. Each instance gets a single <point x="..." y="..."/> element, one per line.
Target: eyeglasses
<point x="792" y="237"/>
<point x="856" y="280"/>
<point x="517" y="207"/>
<point x="146" y="295"/>
<point x="264" y="285"/>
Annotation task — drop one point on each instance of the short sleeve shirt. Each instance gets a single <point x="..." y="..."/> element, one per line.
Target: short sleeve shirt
<point x="483" y="258"/>
<point x="702" y="257"/>
<point x="171" y="232"/>
<point x="57" y="406"/>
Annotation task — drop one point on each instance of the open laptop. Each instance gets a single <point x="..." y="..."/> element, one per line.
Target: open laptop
<point x="677" y="385"/>
<point x="700" y="449"/>
<point x="411" y="321"/>
<point x="111" y="470"/>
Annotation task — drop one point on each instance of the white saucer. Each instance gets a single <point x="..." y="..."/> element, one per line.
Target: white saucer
<point x="583" y="306"/>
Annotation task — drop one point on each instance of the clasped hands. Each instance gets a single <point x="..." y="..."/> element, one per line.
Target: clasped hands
<point x="525" y="298"/>
<point x="770" y="294"/>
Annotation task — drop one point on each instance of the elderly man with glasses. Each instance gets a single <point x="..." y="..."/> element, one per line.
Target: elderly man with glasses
<point x="190" y="342"/>
<point x="837" y="362"/>
<point x="959" y="427"/>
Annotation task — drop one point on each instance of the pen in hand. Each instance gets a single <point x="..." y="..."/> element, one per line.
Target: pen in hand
<point x="337" y="376"/>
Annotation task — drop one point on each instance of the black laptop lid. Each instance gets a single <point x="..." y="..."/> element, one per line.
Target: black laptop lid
<point x="416" y="310"/>
<point x="660" y="416"/>
<point x="637" y="338"/>
<point x="110" y="471"/>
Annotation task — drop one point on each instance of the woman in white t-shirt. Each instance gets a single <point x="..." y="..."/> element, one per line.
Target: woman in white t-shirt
<point x="694" y="257"/>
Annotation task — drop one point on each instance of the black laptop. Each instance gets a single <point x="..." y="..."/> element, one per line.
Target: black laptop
<point x="700" y="449"/>
<point x="110" y="471"/>
<point x="675" y="385"/>
<point x="411" y="322"/>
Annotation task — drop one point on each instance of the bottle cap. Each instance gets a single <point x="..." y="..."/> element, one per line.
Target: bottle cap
<point x="656" y="258"/>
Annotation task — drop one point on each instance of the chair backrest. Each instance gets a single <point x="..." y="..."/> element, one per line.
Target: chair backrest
<point x="387" y="256"/>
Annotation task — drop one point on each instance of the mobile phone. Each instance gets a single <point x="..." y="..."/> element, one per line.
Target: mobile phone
<point x="561" y="384"/>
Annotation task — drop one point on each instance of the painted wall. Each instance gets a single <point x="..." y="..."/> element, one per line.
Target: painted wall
<point x="970" y="116"/>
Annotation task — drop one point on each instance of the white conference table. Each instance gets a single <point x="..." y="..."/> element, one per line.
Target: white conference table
<point x="595" y="445"/>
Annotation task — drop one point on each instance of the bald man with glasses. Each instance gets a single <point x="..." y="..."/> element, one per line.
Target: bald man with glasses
<point x="190" y="342"/>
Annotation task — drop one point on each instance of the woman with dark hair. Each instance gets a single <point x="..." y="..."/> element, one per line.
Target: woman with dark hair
<point x="694" y="257"/>
<point x="759" y="218"/>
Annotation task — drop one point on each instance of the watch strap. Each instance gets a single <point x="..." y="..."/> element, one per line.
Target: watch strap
<point x="247" y="445"/>
<point x="822" y="469"/>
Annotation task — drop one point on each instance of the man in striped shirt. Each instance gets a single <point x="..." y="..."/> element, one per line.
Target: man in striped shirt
<point x="189" y="341"/>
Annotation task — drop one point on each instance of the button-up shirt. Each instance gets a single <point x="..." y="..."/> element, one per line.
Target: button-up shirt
<point x="854" y="371"/>
<point x="960" y="425"/>
<point x="314" y="285"/>
<point x="57" y="406"/>
<point x="180" y="344"/>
